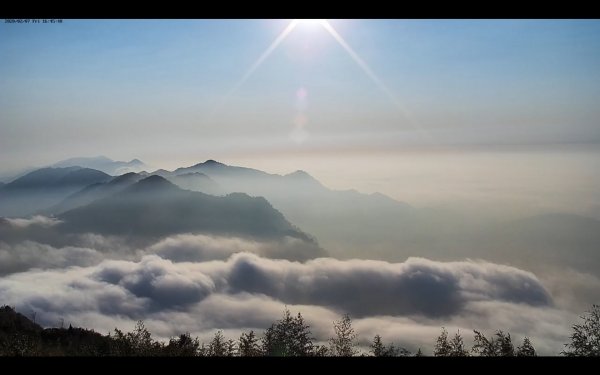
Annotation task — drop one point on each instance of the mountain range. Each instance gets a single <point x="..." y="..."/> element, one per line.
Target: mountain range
<point x="104" y="164"/>
<point x="101" y="163"/>
<point x="155" y="207"/>
<point x="212" y="197"/>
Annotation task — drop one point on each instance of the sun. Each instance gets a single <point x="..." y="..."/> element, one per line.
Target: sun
<point x="313" y="23"/>
<point x="310" y="22"/>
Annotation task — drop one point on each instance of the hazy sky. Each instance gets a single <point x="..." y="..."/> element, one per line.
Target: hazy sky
<point x="162" y="89"/>
<point x="170" y="92"/>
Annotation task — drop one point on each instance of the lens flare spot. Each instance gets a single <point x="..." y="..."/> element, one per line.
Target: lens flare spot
<point x="302" y="93"/>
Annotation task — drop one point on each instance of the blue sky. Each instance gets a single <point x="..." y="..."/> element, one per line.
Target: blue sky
<point x="126" y="88"/>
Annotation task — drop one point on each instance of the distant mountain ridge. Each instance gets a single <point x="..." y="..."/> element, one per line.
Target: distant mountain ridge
<point x="341" y="220"/>
<point x="156" y="206"/>
<point x="44" y="187"/>
<point x="189" y="181"/>
<point x="351" y="224"/>
<point x="346" y="223"/>
<point x="104" y="164"/>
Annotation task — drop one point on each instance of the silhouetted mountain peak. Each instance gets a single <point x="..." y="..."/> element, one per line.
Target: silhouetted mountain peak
<point x="210" y="163"/>
<point x="302" y="177"/>
<point x="12" y="321"/>
<point x="152" y="183"/>
<point x="161" y="172"/>
<point x="300" y="174"/>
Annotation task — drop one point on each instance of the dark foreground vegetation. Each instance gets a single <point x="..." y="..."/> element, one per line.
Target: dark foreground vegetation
<point x="289" y="336"/>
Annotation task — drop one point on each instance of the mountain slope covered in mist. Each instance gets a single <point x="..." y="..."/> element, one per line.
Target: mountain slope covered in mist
<point x="154" y="207"/>
<point x="351" y="224"/>
<point x="95" y="191"/>
<point x="44" y="187"/>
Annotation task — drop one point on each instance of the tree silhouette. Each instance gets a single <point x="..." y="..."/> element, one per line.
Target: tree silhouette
<point x="343" y="344"/>
<point x="248" y="345"/>
<point x="380" y="350"/>
<point x="218" y="347"/>
<point x="377" y="347"/>
<point x="504" y="345"/>
<point x="140" y="340"/>
<point x="321" y="351"/>
<point x="288" y="337"/>
<point x="203" y="350"/>
<point x="301" y="339"/>
<point x="271" y="344"/>
<point x="230" y="348"/>
<point x="501" y="346"/>
<point x="483" y="346"/>
<point x="442" y="345"/>
<point x="119" y="345"/>
<point x="585" y="339"/>
<point x="452" y="348"/>
<point x="526" y="349"/>
<point x="183" y="346"/>
<point x="457" y="348"/>
<point x="135" y="343"/>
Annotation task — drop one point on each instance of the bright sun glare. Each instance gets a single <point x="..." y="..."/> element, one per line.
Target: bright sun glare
<point x="310" y="22"/>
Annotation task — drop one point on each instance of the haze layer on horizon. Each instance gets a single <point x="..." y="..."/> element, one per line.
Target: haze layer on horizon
<point x="501" y="111"/>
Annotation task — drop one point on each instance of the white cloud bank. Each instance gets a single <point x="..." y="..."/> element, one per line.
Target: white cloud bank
<point x="201" y="283"/>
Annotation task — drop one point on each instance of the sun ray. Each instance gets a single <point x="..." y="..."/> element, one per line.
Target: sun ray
<point x="363" y="65"/>
<point x="265" y="54"/>
<point x="342" y="42"/>
<point x="280" y="38"/>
